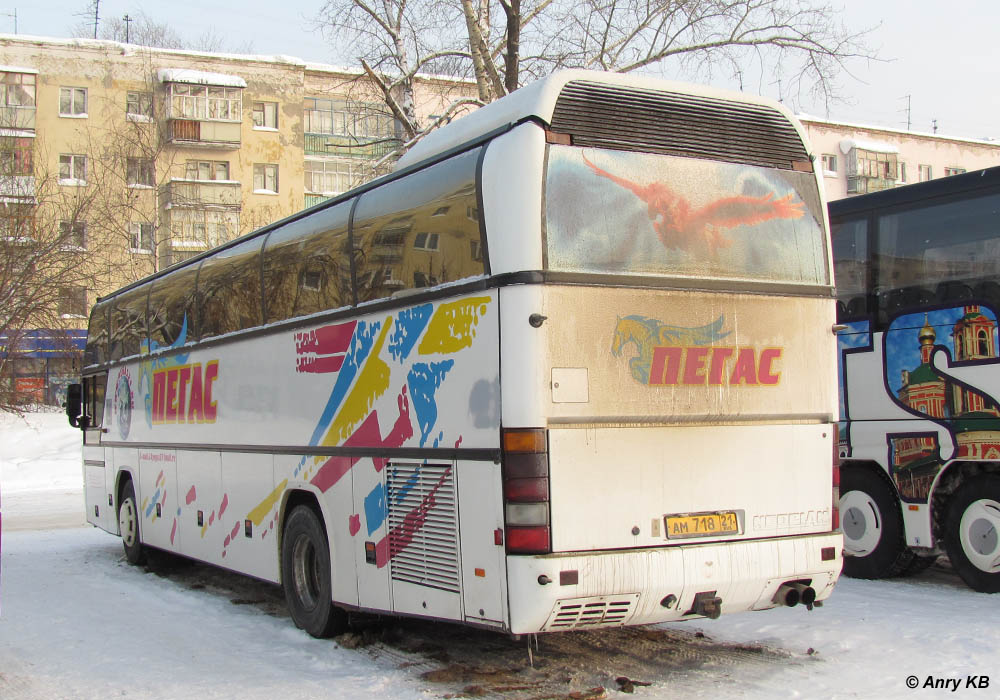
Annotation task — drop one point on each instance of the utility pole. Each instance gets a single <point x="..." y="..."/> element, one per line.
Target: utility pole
<point x="908" y="110"/>
<point x="14" y="15"/>
<point x="934" y="122"/>
<point x="128" y="20"/>
<point x="97" y="17"/>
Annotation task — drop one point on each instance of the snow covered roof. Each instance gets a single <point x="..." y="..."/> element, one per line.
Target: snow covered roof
<point x="183" y="75"/>
<point x="865" y="145"/>
<point x="17" y="69"/>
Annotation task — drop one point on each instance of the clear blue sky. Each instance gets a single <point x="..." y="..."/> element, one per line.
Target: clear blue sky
<point x="944" y="55"/>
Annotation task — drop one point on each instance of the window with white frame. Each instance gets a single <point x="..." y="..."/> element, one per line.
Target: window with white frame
<point x="72" y="301"/>
<point x="426" y="241"/>
<point x="924" y="173"/>
<point x="205" y="102"/>
<point x="902" y="172"/>
<point x="72" y="102"/>
<point x="207" y="170"/>
<point x="17" y="89"/>
<point x="265" y="115"/>
<point x="142" y="237"/>
<point x="73" y="234"/>
<point x="265" y="177"/>
<point x="948" y="172"/>
<point x="332" y="176"/>
<point x="139" y="104"/>
<point x="829" y="164"/>
<point x="139" y="172"/>
<point x="72" y="169"/>
<point x="348" y="118"/>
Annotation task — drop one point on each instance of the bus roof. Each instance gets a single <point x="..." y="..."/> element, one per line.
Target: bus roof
<point x="917" y="192"/>
<point x="537" y="101"/>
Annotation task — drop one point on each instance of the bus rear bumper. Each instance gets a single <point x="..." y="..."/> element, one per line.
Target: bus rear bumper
<point x="572" y="590"/>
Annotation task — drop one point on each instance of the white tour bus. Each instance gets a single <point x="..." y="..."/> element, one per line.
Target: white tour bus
<point x="572" y="364"/>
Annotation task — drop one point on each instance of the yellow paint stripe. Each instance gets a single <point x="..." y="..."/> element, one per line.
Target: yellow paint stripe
<point x="373" y="381"/>
<point x="257" y="515"/>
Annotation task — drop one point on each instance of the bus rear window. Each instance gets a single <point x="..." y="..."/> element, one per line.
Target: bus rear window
<point x="626" y="213"/>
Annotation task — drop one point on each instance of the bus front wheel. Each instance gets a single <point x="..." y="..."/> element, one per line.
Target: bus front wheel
<point x="128" y="525"/>
<point x="872" y="523"/>
<point x="306" y="577"/>
<point x="972" y="532"/>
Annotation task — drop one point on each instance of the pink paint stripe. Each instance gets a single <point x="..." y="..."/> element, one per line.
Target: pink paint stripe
<point x="190" y="497"/>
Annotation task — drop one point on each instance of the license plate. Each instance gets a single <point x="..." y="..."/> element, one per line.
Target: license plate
<point x="701" y="524"/>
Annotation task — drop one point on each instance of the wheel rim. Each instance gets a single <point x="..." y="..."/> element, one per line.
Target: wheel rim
<point x="860" y="522"/>
<point x="306" y="572"/>
<point x="127" y="522"/>
<point x="979" y="534"/>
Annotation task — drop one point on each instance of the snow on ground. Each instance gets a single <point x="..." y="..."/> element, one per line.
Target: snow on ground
<point x="77" y="622"/>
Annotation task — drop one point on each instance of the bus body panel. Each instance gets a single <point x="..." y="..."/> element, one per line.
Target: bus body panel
<point x="614" y="487"/>
<point x="484" y="565"/>
<point x="631" y="586"/>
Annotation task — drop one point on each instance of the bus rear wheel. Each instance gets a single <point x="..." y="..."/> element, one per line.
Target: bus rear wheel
<point x="128" y="525"/>
<point x="306" y="577"/>
<point x="872" y="523"/>
<point x="972" y="532"/>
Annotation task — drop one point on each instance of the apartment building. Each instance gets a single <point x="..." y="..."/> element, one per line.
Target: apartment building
<point x="857" y="159"/>
<point x="145" y="157"/>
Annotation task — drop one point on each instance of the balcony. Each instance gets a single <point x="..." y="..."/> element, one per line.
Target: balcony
<point x="204" y="134"/>
<point x="349" y="146"/>
<point x="17" y="189"/>
<point x="860" y="184"/>
<point x="17" y="117"/>
<point x="203" y="194"/>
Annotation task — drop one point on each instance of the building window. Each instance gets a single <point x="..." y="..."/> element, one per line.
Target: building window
<point x="139" y="105"/>
<point x="331" y="177"/>
<point x="348" y="118"/>
<point x="15" y="156"/>
<point x="265" y="178"/>
<point x="17" y="90"/>
<point x="265" y="115"/>
<point x="829" y="164"/>
<point x="139" y="172"/>
<point x="426" y="241"/>
<point x="207" y="170"/>
<point x="948" y="172"/>
<point x="924" y="173"/>
<point x="142" y="237"/>
<point x="476" y="250"/>
<point x="72" y="102"/>
<point x="73" y="234"/>
<point x="902" y="172"/>
<point x="72" y="169"/>
<point x="72" y="301"/>
<point x="205" y="102"/>
<point x="472" y="213"/>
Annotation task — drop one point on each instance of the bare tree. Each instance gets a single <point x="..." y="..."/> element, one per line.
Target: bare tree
<point x="141" y="30"/>
<point x="505" y="43"/>
<point x="46" y="265"/>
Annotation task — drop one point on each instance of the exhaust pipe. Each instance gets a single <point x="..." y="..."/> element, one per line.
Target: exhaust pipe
<point x="807" y="595"/>
<point x="788" y="594"/>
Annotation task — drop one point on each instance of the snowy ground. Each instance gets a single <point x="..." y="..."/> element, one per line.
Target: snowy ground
<point x="77" y="622"/>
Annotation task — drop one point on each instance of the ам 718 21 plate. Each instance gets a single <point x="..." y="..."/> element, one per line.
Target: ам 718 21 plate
<point x="701" y="524"/>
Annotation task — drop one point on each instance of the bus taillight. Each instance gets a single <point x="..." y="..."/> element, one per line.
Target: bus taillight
<point x="835" y="512"/>
<point x="526" y="491"/>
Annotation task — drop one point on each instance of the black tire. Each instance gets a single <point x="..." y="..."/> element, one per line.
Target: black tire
<point x="972" y="532"/>
<point x="872" y="522"/>
<point x="306" y="577"/>
<point x="128" y="525"/>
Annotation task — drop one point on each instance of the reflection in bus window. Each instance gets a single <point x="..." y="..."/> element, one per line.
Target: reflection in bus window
<point x="307" y="267"/>
<point x="171" y="308"/>
<point x="229" y="290"/>
<point x="850" y="255"/>
<point x="417" y="231"/>
<point x="128" y="323"/>
<point x="96" y="352"/>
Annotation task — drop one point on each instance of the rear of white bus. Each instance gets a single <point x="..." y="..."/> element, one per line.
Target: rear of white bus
<point x="668" y="376"/>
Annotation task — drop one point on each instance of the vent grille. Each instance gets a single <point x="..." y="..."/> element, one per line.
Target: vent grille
<point x="600" y="611"/>
<point x="632" y="119"/>
<point x="423" y="525"/>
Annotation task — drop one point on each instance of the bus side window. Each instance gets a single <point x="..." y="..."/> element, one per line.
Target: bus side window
<point x="419" y="231"/>
<point x="171" y="308"/>
<point x="307" y="266"/>
<point x="229" y="290"/>
<point x="128" y="323"/>
<point x="96" y="352"/>
<point x="93" y="399"/>
<point x="850" y="259"/>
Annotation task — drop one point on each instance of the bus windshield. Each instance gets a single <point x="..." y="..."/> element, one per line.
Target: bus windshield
<point x="647" y="214"/>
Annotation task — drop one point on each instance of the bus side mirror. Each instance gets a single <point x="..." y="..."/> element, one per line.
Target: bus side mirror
<point x="74" y="404"/>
